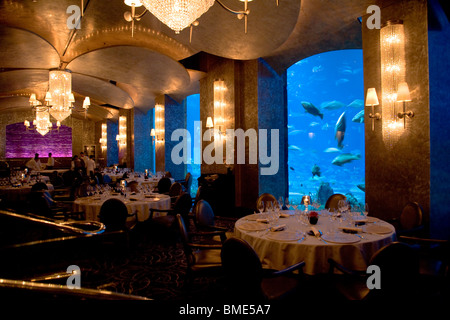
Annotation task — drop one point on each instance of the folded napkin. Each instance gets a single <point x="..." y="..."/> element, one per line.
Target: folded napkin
<point x="315" y="231"/>
<point x="284" y="215"/>
<point x="263" y="220"/>
<point x="280" y="227"/>
<point x="351" y="229"/>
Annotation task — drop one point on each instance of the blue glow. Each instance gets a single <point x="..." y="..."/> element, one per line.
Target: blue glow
<point x="333" y="83"/>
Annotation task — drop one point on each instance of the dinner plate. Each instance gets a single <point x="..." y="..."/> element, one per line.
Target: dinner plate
<point x="253" y="226"/>
<point x="371" y="219"/>
<point x="341" y="237"/>
<point x="376" y="228"/>
<point x="284" y="235"/>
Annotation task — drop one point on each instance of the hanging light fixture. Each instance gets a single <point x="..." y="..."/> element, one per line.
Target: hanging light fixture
<point x="41" y="123"/>
<point x="180" y="14"/>
<point x="60" y="88"/>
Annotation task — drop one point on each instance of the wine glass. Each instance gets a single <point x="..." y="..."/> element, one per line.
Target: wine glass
<point x="261" y="207"/>
<point x="366" y="210"/>
<point x="287" y="203"/>
<point x="280" y="202"/>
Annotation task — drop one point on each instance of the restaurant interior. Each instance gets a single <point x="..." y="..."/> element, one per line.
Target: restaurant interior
<point x="112" y="214"/>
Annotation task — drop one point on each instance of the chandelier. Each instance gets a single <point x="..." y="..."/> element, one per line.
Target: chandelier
<point x="179" y="14"/>
<point x="42" y="122"/>
<point x="60" y="88"/>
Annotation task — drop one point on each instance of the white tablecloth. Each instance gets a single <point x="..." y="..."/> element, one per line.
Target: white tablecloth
<point x="279" y="254"/>
<point x="92" y="205"/>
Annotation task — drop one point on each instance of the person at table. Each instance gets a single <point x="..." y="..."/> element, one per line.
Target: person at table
<point x="34" y="164"/>
<point x="84" y="161"/>
<point x="50" y="161"/>
<point x="90" y="166"/>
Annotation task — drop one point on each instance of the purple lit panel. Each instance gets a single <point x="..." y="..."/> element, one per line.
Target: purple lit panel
<point x="23" y="143"/>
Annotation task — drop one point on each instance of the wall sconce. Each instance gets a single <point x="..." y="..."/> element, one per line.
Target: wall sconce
<point x="219" y="106"/>
<point x="372" y="100"/>
<point x="103" y="140"/>
<point x="122" y="136"/>
<point x="404" y="96"/>
<point x="159" y="123"/>
<point x="153" y="134"/>
<point x="393" y="72"/>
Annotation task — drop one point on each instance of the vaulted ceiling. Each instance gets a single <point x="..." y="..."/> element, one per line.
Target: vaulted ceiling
<point x="118" y="70"/>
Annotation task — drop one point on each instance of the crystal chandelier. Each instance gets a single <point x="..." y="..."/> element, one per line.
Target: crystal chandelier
<point x="177" y="14"/>
<point x="42" y="122"/>
<point x="60" y="88"/>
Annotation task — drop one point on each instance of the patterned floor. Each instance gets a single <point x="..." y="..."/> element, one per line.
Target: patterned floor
<point x="153" y="269"/>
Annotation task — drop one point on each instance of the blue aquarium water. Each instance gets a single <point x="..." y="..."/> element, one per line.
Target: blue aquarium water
<point x="193" y="116"/>
<point x="326" y="126"/>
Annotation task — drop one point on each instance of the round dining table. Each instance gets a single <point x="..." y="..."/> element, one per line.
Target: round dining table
<point x="139" y="203"/>
<point x="291" y="239"/>
<point x="20" y="192"/>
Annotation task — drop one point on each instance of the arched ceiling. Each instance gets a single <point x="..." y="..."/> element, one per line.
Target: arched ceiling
<point x="118" y="70"/>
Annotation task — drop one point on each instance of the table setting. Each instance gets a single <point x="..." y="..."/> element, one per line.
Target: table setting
<point x="281" y="237"/>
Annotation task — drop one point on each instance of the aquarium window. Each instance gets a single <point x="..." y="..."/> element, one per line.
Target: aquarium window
<point x="326" y="148"/>
<point x="193" y="126"/>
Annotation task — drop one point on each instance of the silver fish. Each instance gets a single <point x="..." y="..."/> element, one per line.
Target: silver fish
<point x="345" y="158"/>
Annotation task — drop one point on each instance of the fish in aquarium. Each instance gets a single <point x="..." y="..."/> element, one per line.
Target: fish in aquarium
<point x="332" y="105"/>
<point x="345" y="158"/>
<point x="357" y="103"/>
<point x="332" y="150"/>
<point x="339" y="130"/>
<point x="315" y="170"/>
<point x="359" y="117"/>
<point x="312" y="109"/>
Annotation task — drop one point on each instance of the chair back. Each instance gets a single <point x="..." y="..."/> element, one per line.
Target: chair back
<point x="399" y="267"/>
<point x="175" y="189"/>
<point x="265" y="197"/>
<point x="411" y="216"/>
<point x="204" y="214"/>
<point x="333" y="200"/>
<point x="113" y="214"/>
<point x="184" y="236"/>
<point x="164" y="185"/>
<point x="183" y="204"/>
<point x="188" y="182"/>
<point x="242" y="267"/>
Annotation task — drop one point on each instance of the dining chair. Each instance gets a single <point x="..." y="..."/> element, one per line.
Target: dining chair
<point x="164" y="185"/>
<point x="265" y="197"/>
<point x="333" y="200"/>
<point x="164" y="226"/>
<point x="175" y="190"/>
<point x="399" y="270"/>
<point x="201" y="258"/>
<point x="114" y="215"/>
<point x="186" y="182"/>
<point x="133" y="185"/>
<point x="434" y="263"/>
<point x="245" y="276"/>
<point x="205" y="221"/>
<point x="410" y="221"/>
<point x="42" y="204"/>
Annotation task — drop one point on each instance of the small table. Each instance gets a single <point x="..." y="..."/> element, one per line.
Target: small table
<point x="281" y="249"/>
<point x="138" y="203"/>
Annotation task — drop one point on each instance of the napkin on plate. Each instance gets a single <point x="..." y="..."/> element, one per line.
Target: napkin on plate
<point x="351" y="229"/>
<point x="315" y="231"/>
<point x="280" y="227"/>
<point x="284" y="215"/>
<point x="264" y="220"/>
